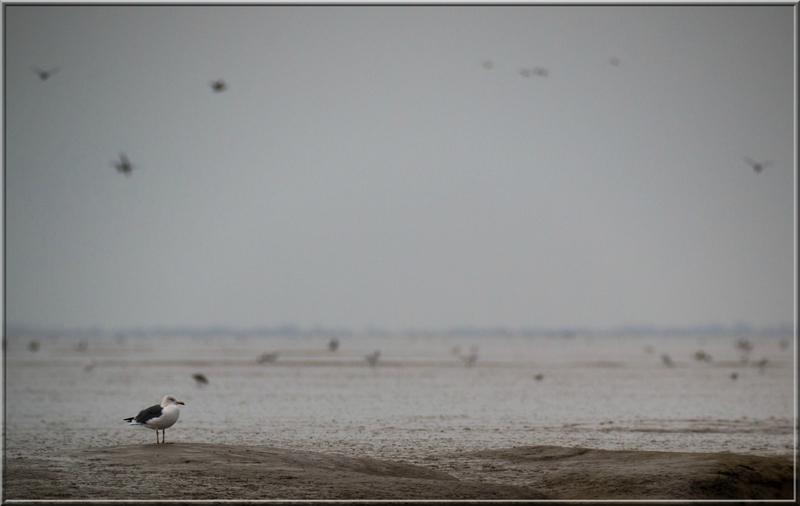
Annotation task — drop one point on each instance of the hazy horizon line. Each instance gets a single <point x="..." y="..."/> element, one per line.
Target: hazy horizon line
<point x="459" y="330"/>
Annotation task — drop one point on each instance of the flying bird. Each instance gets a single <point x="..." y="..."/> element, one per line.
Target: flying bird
<point x="200" y="378"/>
<point x="158" y="417"/>
<point x="218" y="85"/>
<point x="757" y="166"/>
<point x="44" y="75"/>
<point x="123" y="165"/>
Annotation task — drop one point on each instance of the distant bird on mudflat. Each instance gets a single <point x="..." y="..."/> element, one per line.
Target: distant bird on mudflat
<point x="267" y="357"/>
<point x="123" y="165"/>
<point x="470" y="359"/>
<point x="44" y="75"/>
<point x="702" y="356"/>
<point x="757" y="166"/>
<point x="333" y="344"/>
<point x="372" y="359"/>
<point x="488" y="64"/>
<point x="158" y="417"/>
<point x="218" y="85"/>
<point x="540" y="71"/>
<point x="614" y="61"/>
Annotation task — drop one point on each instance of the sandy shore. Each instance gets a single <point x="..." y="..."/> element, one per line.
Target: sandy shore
<point x="192" y="471"/>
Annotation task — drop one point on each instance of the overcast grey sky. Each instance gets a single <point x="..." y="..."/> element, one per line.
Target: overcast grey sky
<point x="365" y="167"/>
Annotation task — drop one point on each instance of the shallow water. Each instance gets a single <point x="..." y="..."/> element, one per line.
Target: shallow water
<point x="421" y="398"/>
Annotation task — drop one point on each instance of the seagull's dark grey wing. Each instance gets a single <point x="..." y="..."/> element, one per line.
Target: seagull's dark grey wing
<point x="148" y="414"/>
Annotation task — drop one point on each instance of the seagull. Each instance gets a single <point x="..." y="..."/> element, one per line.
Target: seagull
<point x="218" y="85"/>
<point x="158" y="417"/>
<point x="470" y="359"/>
<point x="757" y="166"/>
<point x="488" y="64"/>
<point x="123" y="165"/>
<point x="702" y="356"/>
<point x="44" y="75"/>
<point x="614" y="61"/>
<point x="540" y="71"/>
<point x="267" y="357"/>
<point x="333" y="345"/>
<point x="372" y="359"/>
<point x="200" y="379"/>
<point x="525" y="72"/>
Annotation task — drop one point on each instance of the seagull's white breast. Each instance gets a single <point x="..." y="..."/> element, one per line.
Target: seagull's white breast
<point x="169" y="415"/>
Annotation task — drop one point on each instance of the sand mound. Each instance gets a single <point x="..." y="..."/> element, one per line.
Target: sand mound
<point x="582" y="473"/>
<point x="193" y="471"/>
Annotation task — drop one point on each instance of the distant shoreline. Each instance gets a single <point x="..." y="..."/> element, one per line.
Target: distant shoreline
<point x="289" y="330"/>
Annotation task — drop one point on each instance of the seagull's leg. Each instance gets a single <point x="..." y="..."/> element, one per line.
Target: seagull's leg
<point x="164" y="436"/>
<point x="156" y="436"/>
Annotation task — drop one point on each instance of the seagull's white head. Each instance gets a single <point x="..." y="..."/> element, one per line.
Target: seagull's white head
<point x="170" y="400"/>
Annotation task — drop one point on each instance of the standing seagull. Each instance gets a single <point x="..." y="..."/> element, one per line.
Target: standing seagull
<point x="158" y="417"/>
<point x="218" y="85"/>
<point x="123" y="165"/>
<point x="757" y="166"/>
<point x="44" y="75"/>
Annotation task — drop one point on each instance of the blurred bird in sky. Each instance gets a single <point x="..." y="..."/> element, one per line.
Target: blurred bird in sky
<point x="218" y="85"/>
<point x="540" y="71"/>
<point x="44" y="75"/>
<point x="200" y="378"/>
<point x="757" y="166"/>
<point x="123" y="165"/>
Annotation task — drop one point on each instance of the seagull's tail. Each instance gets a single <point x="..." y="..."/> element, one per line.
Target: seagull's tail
<point x="130" y="421"/>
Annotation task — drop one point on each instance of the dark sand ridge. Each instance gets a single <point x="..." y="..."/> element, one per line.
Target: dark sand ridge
<point x="188" y="471"/>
